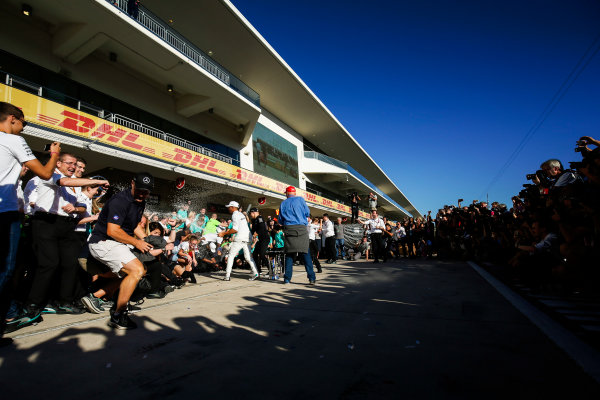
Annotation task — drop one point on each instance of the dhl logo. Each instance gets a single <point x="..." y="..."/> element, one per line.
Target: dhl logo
<point x="117" y="135"/>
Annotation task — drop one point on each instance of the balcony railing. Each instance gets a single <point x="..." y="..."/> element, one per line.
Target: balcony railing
<point x="58" y="97"/>
<point x="157" y="133"/>
<point x="161" y="29"/>
<point x="343" y="165"/>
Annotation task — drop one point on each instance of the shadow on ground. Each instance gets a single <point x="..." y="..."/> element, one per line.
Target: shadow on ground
<point x="407" y="329"/>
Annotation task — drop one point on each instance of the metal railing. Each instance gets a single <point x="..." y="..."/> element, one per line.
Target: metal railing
<point x="157" y="133"/>
<point x="161" y="29"/>
<point x="327" y="159"/>
<point x="59" y="97"/>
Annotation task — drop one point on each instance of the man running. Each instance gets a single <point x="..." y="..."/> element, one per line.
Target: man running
<point x="111" y="237"/>
<point x="240" y="242"/>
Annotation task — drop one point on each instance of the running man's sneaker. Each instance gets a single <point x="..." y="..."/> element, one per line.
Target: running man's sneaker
<point x="286" y="282"/>
<point x="227" y="279"/>
<point x="253" y="277"/>
<point x="92" y="304"/>
<point x="133" y="308"/>
<point x="312" y="283"/>
<point x="121" y="321"/>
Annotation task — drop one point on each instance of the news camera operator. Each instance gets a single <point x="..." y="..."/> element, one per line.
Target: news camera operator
<point x="556" y="174"/>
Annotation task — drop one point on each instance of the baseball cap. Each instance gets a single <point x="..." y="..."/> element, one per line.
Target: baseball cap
<point x="290" y="189"/>
<point x="144" y="181"/>
<point x="233" y="204"/>
<point x="254" y="209"/>
<point x="213" y="247"/>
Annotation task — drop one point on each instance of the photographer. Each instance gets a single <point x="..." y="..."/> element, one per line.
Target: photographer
<point x="554" y="170"/>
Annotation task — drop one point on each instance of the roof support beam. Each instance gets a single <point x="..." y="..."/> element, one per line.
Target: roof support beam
<point x="193" y="104"/>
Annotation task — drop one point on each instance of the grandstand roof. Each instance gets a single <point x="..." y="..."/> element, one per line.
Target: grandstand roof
<point x="216" y="26"/>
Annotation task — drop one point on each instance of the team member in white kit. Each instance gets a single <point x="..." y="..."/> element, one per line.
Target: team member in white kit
<point x="240" y="242"/>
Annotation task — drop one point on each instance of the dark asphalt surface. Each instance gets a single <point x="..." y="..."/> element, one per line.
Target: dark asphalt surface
<point x="409" y="329"/>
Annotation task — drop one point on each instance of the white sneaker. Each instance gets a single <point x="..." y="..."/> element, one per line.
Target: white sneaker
<point x="253" y="277"/>
<point x="227" y="278"/>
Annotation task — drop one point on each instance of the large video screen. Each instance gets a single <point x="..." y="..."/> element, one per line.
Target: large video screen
<point x="274" y="156"/>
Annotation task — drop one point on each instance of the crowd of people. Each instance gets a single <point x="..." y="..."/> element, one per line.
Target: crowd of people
<point x="76" y="244"/>
<point x="547" y="238"/>
<point x="73" y="244"/>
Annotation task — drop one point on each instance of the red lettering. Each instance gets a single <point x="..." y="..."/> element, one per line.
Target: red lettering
<point x="182" y="156"/>
<point x="199" y="161"/>
<point x="106" y="129"/>
<point x="72" y="122"/>
<point x="130" y="139"/>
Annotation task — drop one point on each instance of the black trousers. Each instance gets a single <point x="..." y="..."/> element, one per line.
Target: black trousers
<point x="378" y="246"/>
<point x="153" y="273"/>
<point x="260" y="254"/>
<point x="330" y="246"/>
<point x="313" y="254"/>
<point x="56" y="247"/>
<point x="354" y="213"/>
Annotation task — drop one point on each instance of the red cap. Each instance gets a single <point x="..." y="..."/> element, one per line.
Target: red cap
<point x="290" y="189"/>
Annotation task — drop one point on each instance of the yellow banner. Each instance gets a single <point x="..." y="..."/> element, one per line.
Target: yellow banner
<point x="56" y="116"/>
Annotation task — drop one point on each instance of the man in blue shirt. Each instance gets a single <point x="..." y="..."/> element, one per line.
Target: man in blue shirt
<point x="293" y="216"/>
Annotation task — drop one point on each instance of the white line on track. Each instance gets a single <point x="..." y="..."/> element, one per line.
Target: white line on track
<point x="584" y="355"/>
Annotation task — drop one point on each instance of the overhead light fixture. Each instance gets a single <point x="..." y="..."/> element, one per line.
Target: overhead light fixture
<point x="170" y="88"/>
<point x="27" y="10"/>
<point x="210" y="53"/>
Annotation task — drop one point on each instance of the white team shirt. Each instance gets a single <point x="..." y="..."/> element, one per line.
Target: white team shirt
<point x="327" y="229"/>
<point x="14" y="152"/>
<point x="30" y="194"/>
<point x="312" y="231"/>
<point x="376" y="225"/>
<point x="240" y="224"/>
<point x="52" y="197"/>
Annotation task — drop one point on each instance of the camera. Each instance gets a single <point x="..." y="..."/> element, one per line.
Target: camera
<point x="530" y="176"/>
<point x="47" y="146"/>
<point x="576" y="164"/>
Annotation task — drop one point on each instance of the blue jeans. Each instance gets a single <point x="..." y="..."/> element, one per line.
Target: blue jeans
<point x="339" y="246"/>
<point x="289" y="266"/>
<point x="9" y="244"/>
<point x="10" y="233"/>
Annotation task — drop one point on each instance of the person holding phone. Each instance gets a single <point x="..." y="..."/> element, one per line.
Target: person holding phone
<point x="14" y="153"/>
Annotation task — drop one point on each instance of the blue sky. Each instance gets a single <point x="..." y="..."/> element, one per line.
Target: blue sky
<point x="440" y="93"/>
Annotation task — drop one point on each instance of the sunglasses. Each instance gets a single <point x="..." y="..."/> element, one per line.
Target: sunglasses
<point x="23" y="122"/>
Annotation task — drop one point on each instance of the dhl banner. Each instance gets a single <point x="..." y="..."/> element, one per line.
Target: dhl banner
<point x="73" y="122"/>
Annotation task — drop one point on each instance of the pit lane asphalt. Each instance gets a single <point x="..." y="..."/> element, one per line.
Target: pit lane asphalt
<point x="409" y="329"/>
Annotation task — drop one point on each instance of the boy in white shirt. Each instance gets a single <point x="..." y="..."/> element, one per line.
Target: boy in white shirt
<point x="14" y="153"/>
